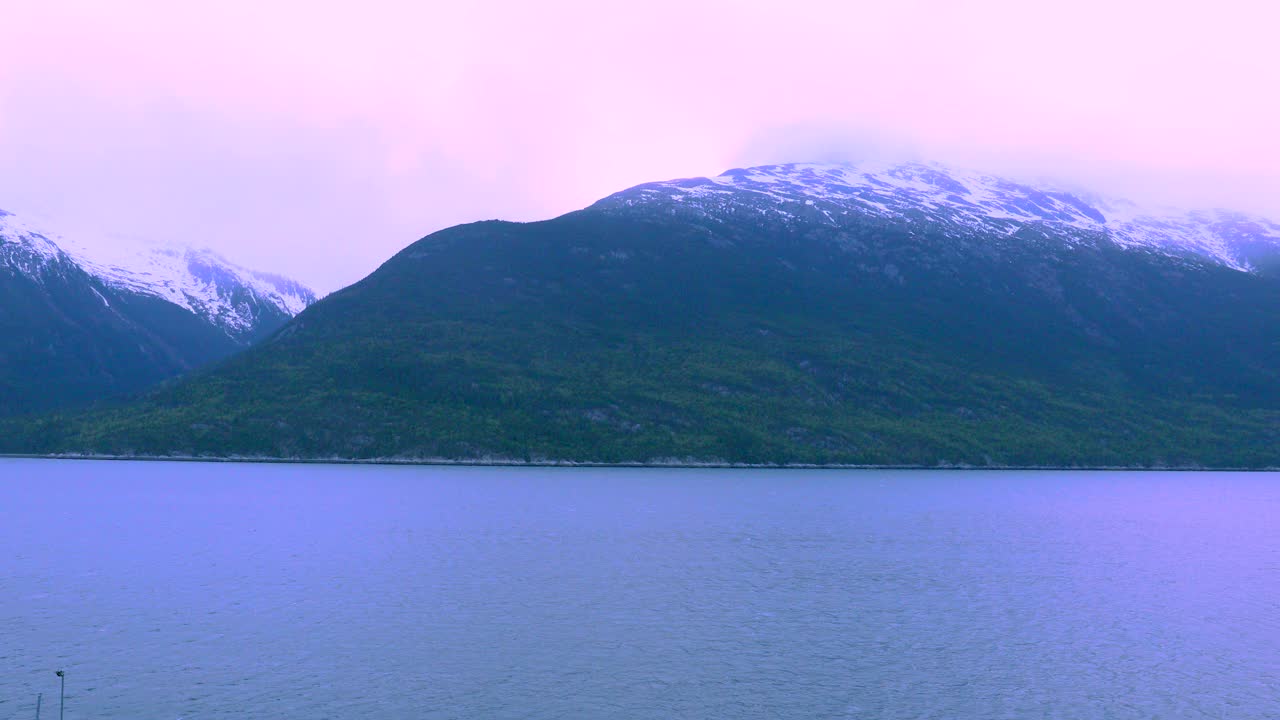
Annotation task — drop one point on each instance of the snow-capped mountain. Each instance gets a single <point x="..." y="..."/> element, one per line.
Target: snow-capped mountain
<point x="799" y="313"/>
<point x="25" y="249"/>
<point x="233" y="298"/>
<point x="960" y="202"/>
<point x="80" y="323"/>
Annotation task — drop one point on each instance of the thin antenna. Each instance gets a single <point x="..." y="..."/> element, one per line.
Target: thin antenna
<point x="62" y="693"/>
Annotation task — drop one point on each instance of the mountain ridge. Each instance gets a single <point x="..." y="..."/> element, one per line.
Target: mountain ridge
<point x="974" y="200"/>
<point x="74" y="331"/>
<point x="747" y="327"/>
<point x="199" y="280"/>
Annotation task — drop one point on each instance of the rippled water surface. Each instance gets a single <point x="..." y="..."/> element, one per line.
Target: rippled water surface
<point x="270" y="591"/>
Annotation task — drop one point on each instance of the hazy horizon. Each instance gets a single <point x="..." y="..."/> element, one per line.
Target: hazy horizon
<point x="316" y="142"/>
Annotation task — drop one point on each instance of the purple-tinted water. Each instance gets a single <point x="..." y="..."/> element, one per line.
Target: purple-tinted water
<point x="268" y="591"/>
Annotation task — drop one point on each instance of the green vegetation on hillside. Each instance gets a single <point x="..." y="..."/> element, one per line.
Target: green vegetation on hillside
<point x="612" y="338"/>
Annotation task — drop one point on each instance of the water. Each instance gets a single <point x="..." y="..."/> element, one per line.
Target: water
<point x="241" y="591"/>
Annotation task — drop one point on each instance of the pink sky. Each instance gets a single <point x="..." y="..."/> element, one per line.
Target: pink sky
<point x="317" y="141"/>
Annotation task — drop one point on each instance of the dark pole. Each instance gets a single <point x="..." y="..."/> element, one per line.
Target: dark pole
<point x="39" y="699"/>
<point x="62" y="693"/>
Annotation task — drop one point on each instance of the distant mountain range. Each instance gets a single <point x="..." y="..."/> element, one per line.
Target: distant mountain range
<point x="844" y="314"/>
<point x="80" y="325"/>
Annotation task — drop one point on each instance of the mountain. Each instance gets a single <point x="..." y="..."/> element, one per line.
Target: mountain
<point x="893" y="314"/>
<point x="76" y="327"/>
<point x="957" y="203"/>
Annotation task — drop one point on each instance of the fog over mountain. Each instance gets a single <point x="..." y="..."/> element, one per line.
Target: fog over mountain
<point x="321" y="140"/>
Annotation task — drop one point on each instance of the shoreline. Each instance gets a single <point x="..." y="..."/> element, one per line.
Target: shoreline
<point x="654" y="465"/>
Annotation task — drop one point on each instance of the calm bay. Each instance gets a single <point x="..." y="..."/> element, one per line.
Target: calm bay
<point x="189" y="590"/>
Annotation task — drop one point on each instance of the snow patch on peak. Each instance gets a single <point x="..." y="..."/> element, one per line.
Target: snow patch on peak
<point x="26" y="247"/>
<point x="964" y="200"/>
<point x="196" y="279"/>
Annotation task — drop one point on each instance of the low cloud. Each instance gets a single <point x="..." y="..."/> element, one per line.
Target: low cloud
<point x="317" y="140"/>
